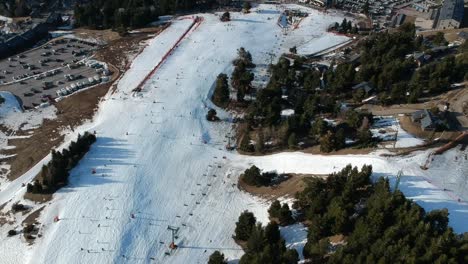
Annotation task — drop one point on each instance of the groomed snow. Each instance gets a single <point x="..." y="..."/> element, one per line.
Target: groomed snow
<point x="152" y="162"/>
<point x="311" y="36"/>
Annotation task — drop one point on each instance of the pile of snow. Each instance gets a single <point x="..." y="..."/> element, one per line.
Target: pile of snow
<point x="10" y="105"/>
<point x="287" y="112"/>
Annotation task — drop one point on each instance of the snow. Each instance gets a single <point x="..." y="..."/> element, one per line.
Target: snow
<point x="29" y="119"/>
<point x="11" y="104"/>
<point x="295" y="237"/>
<point x="391" y="126"/>
<point x="157" y="157"/>
<point x="426" y="187"/>
<point x="287" y="112"/>
<point x="320" y="43"/>
<point x="13" y="118"/>
<point x="311" y="36"/>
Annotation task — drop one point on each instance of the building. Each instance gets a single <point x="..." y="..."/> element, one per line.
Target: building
<point x="367" y="87"/>
<point x="421" y="58"/>
<point x="427" y="120"/>
<point x="451" y="14"/>
<point x="424" y="5"/>
<point x="29" y="38"/>
<point x="463" y="36"/>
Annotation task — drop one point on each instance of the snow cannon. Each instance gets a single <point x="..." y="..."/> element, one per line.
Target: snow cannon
<point x="56" y="218"/>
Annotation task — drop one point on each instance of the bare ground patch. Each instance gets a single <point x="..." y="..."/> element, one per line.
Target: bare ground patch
<point x="32" y="218"/>
<point x="288" y="188"/>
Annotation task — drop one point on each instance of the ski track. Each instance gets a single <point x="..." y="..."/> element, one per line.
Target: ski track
<point x="151" y="160"/>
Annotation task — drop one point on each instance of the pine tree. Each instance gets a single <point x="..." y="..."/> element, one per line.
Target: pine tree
<point x="256" y="240"/>
<point x="327" y="142"/>
<point x="272" y="233"/>
<point x="292" y="142"/>
<point x="217" y="258"/>
<point x="240" y="95"/>
<point x="252" y="175"/>
<point x="274" y="210"/>
<point x="244" y="226"/>
<point x="285" y="215"/>
<point x="260" y="143"/>
<point x="340" y="139"/>
<point x="247" y="6"/>
<point x="245" y="143"/>
<point x="365" y="8"/>
<point x="211" y="115"/>
<point x="221" y="92"/>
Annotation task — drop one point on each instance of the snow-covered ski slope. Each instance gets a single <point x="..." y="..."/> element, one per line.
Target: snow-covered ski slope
<point x="161" y="172"/>
<point x="153" y="168"/>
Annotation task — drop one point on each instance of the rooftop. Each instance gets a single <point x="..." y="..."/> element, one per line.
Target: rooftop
<point x="452" y="9"/>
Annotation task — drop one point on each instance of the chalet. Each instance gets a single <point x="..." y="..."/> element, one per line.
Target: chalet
<point x="426" y="119"/>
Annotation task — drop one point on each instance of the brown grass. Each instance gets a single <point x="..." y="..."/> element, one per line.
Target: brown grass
<point x="32" y="218"/>
<point x="288" y="188"/>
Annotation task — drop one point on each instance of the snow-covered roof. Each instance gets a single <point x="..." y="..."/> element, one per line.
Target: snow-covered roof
<point x="287" y="112"/>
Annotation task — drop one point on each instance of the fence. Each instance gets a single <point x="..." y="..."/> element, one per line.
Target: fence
<point x="196" y="22"/>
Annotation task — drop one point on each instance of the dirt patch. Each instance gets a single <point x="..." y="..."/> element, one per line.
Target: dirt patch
<point x="32" y="218"/>
<point x="38" y="197"/>
<point x="71" y="112"/>
<point x="337" y="239"/>
<point x="288" y="188"/>
<point x="449" y="34"/>
<point x="345" y="151"/>
<point x="102" y="35"/>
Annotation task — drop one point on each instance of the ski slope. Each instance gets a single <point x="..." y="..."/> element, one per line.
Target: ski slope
<point x="161" y="172"/>
<point x="426" y="187"/>
<point x="159" y="162"/>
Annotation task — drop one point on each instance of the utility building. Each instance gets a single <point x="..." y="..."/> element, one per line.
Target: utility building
<point x="451" y="14"/>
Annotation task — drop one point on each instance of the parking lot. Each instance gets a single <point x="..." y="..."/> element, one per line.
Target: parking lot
<point x="56" y="69"/>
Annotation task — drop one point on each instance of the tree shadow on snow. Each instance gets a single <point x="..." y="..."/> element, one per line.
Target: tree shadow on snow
<point x="182" y="246"/>
<point x="247" y="21"/>
<point x="271" y="12"/>
<point x="98" y="165"/>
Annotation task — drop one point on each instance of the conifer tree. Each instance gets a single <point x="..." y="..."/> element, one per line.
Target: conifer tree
<point x="221" y="92"/>
<point x="245" y="225"/>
